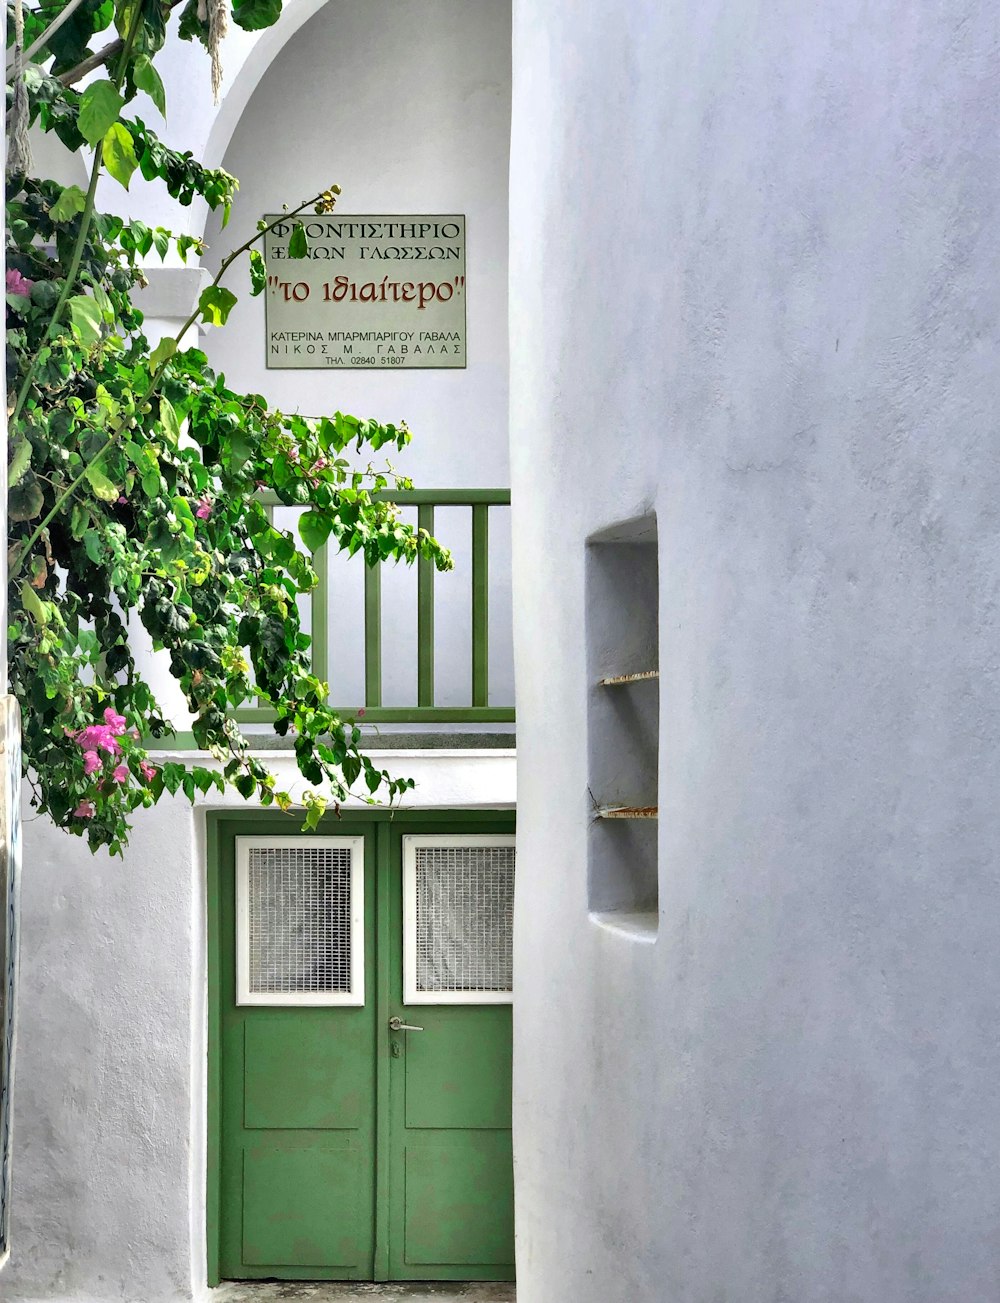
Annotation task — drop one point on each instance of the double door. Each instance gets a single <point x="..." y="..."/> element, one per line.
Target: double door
<point x="362" y="1050"/>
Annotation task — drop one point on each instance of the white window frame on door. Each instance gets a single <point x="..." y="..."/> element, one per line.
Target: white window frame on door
<point x="356" y="995"/>
<point x="411" y="995"/>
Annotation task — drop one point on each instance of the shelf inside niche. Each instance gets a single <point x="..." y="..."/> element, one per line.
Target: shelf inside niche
<point x="628" y="812"/>
<point x="637" y="925"/>
<point x="622" y="680"/>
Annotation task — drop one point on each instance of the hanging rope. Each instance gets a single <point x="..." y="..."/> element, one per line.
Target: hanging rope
<point x="216" y="14"/>
<point x="18" y="146"/>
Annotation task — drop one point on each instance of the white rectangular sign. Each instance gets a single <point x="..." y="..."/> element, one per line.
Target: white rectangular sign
<point x="372" y="292"/>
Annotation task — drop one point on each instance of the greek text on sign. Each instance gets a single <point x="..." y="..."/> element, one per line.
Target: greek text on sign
<point x="372" y="292"/>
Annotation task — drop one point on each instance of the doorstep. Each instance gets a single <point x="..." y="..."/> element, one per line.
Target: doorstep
<point x="336" y="1292"/>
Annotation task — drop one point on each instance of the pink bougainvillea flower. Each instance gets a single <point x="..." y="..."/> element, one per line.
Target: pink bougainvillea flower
<point x="91" y="762"/>
<point x="18" y="284"/>
<point x="114" y="721"/>
<point x="120" y="773"/>
<point x="204" y="508"/>
<point x="121" y="499"/>
<point x="361" y="712"/>
<point x="148" y="771"/>
<point x="85" y="810"/>
<point x="98" y="737"/>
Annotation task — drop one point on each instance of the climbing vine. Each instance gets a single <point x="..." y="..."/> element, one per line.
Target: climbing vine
<point x="137" y="475"/>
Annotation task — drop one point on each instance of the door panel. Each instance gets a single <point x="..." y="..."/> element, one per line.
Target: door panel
<point x="297" y="1189"/>
<point x="292" y="1082"/>
<point x="300" y="1206"/>
<point x="460" y="1203"/>
<point x="309" y="970"/>
<point x="458" y="1073"/>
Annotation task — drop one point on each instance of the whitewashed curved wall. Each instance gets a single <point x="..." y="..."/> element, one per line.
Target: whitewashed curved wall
<point x="407" y="107"/>
<point x="756" y="286"/>
<point x="110" y="1108"/>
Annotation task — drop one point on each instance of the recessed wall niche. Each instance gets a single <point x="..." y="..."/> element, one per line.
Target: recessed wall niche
<point x="623" y="699"/>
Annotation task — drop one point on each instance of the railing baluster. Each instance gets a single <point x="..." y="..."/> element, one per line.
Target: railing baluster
<point x="373" y="635"/>
<point x="425" y="614"/>
<point x="480" y="605"/>
<point x="423" y="710"/>
<point x="319" y="616"/>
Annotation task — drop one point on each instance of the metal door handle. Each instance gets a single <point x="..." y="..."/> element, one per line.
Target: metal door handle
<point x="397" y="1025"/>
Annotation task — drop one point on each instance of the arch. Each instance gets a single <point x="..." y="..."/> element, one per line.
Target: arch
<point x="195" y="122"/>
<point x="253" y="57"/>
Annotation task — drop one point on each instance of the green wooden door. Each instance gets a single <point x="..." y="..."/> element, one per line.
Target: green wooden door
<point x="347" y="1150"/>
<point x="451" y="1169"/>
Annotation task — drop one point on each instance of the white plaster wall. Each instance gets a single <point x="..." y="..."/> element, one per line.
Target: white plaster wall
<point x="408" y="107"/>
<point x="109" y="1172"/>
<point x="102" y="1096"/>
<point x="755" y="286"/>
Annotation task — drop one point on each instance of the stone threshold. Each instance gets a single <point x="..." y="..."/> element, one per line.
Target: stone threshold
<point x="344" y="1292"/>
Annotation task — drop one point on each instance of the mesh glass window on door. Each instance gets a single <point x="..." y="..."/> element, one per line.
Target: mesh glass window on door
<point x="458" y="912"/>
<point x="299" y="919"/>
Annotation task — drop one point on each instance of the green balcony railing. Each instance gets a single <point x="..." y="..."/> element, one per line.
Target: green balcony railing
<point x="424" y="709"/>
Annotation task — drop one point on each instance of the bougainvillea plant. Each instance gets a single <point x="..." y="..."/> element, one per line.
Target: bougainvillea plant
<point x="137" y="476"/>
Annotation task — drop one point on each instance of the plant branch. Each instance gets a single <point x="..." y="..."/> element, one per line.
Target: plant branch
<point x="81" y="240"/>
<point x="95" y="60"/>
<point x="68" y="285"/>
<point x="49" y="32"/>
<point x="91" y="62"/>
<point x="245" y="247"/>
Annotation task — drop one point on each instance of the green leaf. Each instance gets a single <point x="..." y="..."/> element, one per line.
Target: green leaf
<point x="169" y="418"/>
<point x="314" y="529"/>
<point x="100" y="483"/>
<point x="315" y="810"/>
<point x="215" y="305"/>
<point x="119" y="154"/>
<point x="19" y="463"/>
<point x="147" y="78"/>
<point x="298" y="245"/>
<point x="92" y="545"/>
<point x="252" y="15"/>
<point x="258" y="272"/>
<point x="85" y="319"/>
<point x="241" y="449"/>
<point x="245" y="785"/>
<point x="373" y="778"/>
<point x="70" y="202"/>
<point x="104" y="303"/>
<point x="100" y="105"/>
<point x="164" y="350"/>
<point x="26" y="499"/>
<point x="172" y="776"/>
<point x="190" y="25"/>
<point x="33" y="604"/>
<point x="79" y="520"/>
